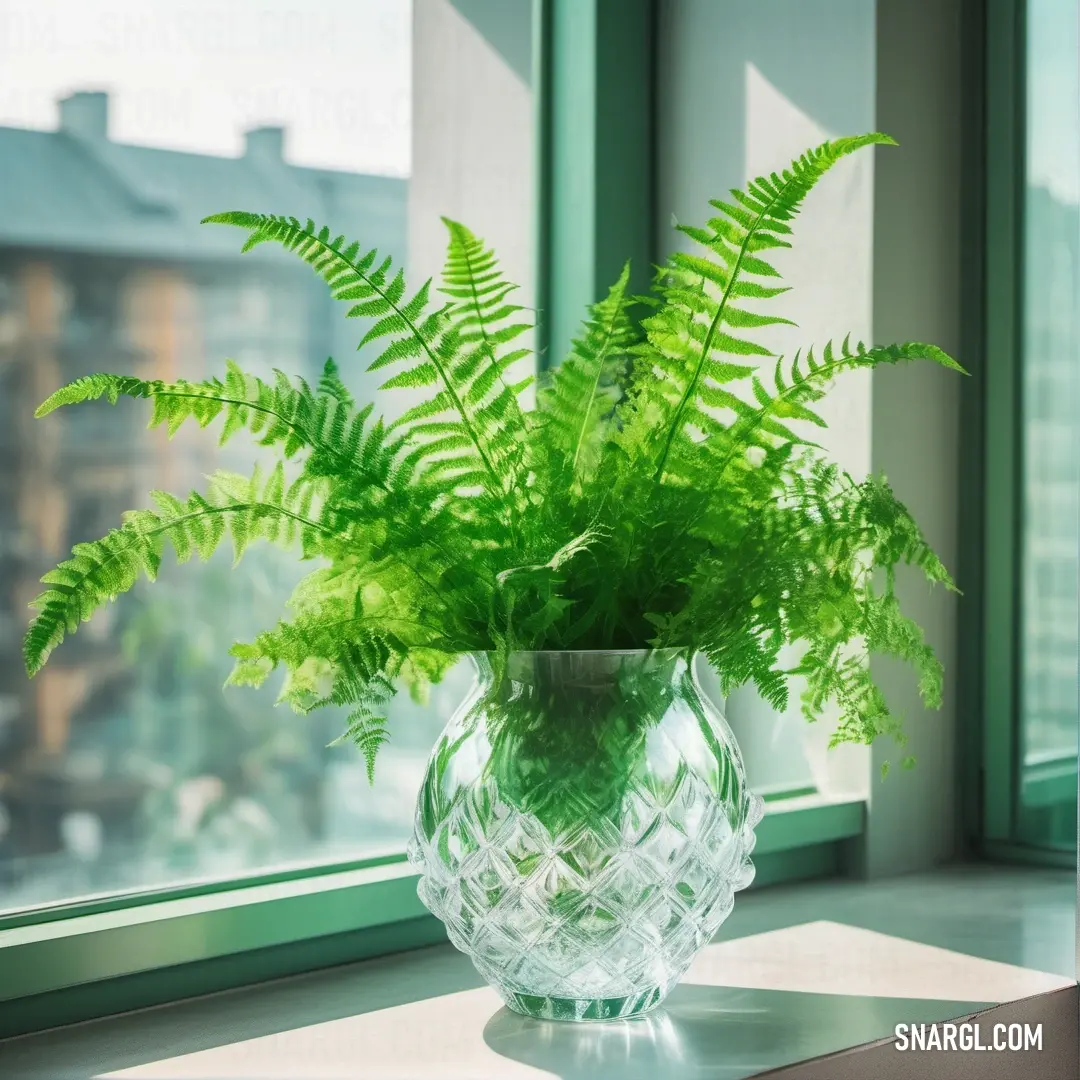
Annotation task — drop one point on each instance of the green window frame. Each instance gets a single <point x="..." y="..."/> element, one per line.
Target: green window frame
<point x="65" y="963"/>
<point x="997" y="785"/>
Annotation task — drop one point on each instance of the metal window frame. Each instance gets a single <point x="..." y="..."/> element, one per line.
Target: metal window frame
<point x="994" y="445"/>
<point x="1003" y="468"/>
<point x="595" y="62"/>
<point x="594" y="65"/>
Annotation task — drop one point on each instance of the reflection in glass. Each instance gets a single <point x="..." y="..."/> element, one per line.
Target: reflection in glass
<point x="1051" y="426"/>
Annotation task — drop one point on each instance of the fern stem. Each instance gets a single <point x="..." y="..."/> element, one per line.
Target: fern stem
<point x="751" y="422"/>
<point x="381" y="620"/>
<point x="304" y="433"/>
<point x="432" y="588"/>
<point x="231" y="509"/>
<point x="691" y="387"/>
<point x="432" y="355"/>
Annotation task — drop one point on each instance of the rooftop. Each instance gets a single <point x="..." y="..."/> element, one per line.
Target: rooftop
<point x="74" y="189"/>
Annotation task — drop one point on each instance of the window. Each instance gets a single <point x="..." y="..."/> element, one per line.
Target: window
<point x="1032" y="436"/>
<point x="1051" y="400"/>
<point x="123" y="766"/>
<point x="131" y="787"/>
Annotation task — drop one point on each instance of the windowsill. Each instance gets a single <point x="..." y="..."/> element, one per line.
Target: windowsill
<point x="234" y="925"/>
<point x="808" y="819"/>
<point x="47" y="956"/>
<point x="797" y="972"/>
<point x="1049" y="779"/>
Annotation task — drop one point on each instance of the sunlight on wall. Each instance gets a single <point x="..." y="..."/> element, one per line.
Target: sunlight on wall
<point x="830" y="274"/>
<point x="472" y="164"/>
<point x="767" y="98"/>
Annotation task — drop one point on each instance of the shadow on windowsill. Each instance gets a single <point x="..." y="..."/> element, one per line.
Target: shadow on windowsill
<point x="714" y="1032"/>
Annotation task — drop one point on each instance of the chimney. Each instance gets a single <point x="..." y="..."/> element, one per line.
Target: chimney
<point x="85" y="114"/>
<point x="265" y="145"/>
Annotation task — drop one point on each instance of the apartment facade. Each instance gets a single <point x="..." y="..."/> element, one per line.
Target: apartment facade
<point x="105" y="267"/>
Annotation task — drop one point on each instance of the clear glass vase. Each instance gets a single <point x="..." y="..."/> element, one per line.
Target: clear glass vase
<point x="582" y="828"/>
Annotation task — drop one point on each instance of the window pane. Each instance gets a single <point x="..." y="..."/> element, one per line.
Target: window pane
<point x="124" y="765"/>
<point x="1051" y="425"/>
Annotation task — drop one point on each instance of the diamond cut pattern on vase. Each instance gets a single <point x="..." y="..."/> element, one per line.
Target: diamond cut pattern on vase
<point x="606" y="910"/>
<point x="582" y="889"/>
<point x="628" y="885"/>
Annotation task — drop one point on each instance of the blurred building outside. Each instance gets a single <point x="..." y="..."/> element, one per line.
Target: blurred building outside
<point x="123" y="763"/>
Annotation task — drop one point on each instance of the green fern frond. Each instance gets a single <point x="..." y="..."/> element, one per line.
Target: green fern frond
<point x="368" y="733"/>
<point x="423" y="340"/>
<point x="577" y="404"/>
<point x="244" y="508"/>
<point x="322" y="667"/>
<point x="663" y="493"/>
<point x="687" y="335"/>
<point x="93" y="387"/>
<point x="792" y="394"/>
<point x="330" y="384"/>
<point x="480" y="305"/>
<point x="341" y="442"/>
<point x="483" y="322"/>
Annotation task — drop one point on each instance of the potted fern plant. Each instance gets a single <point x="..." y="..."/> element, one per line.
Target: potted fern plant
<point x="585" y="819"/>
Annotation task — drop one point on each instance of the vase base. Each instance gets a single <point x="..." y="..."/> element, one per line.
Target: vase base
<point x="584" y="1009"/>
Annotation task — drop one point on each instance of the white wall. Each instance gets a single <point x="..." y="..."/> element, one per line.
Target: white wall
<point x="743" y="90"/>
<point x="744" y="86"/>
<point x="472" y="135"/>
<point x="916" y="417"/>
<point x="472" y="140"/>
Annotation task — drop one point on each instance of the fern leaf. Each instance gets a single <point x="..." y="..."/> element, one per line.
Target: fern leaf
<point x="791" y="397"/>
<point x="414" y="331"/>
<point x="479" y="293"/>
<point x="98" y="572"/>
<point x="584" y="389"/>
<point x="369" y="734"/>
<point x="280" y="414"/>
<point x="330" y="385"/>
<point x="766" y="206"/>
